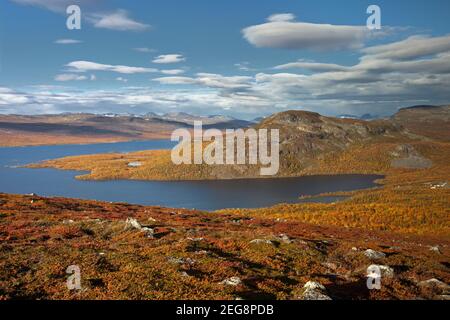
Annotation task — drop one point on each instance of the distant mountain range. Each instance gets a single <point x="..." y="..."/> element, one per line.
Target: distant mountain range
<point x="366" y="116"/>
<point x="189" y="119"/>
<point x="296" y="126"/>
<point x="18" y="130"/>
<point x="186" y="118"/>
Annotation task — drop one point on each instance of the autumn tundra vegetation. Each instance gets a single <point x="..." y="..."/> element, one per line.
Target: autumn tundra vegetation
<point x="296" y="251"/>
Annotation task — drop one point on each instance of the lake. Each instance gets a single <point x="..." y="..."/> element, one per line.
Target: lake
<point x="202" y="195"/>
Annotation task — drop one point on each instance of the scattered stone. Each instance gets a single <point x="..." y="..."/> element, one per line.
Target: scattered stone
<point x="184" y="274"/>
<point x="312" y="285"/>
<point x="436" y="249"/>
<point x="261" y="241"/>
<point x="187" y="261"/>
<point x="68" y="221"/>
<point x="330" y="265"/>
<point x="314" y="291"/>
<point x="386" y="271"/>
<point x="314" y="295"/>
<point x="374" y="255"/>
<point x="149" y="232"/>
<point x="135" y="164"/>
<point x="176" y="260"/>
<point x="284" y="238"/>
<point x="195" y="239"/>
<point x="132" y="223"/>
<point x="354" y="249"/>
<point x="233" y="281"/>
<point x="303" y="242"/>
<point x="434" y="283"/>
<point x="438" y="185"/>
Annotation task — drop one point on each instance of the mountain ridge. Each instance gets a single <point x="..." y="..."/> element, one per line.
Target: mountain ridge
<point x="310" y="144"/>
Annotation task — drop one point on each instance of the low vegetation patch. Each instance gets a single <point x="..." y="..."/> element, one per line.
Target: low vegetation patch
<point x="199" y="255"/>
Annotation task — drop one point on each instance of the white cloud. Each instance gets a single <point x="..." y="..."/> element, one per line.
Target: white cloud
<point x="144" y="50"/>
<point x="411" y="48"/>
<point x="11" y="97"/>
<point x="243" y="66"/>
<point x="121" y="79"/>
<point x="83" y="66"/>
<point x="278" y="17"/>
<point x="383" y="78"/>
<point x="313" y="66"/>
<point x="210" y="80"/>
<point x="169" y="58"/>
<point x="70" y="77"/>
<point x="223" y="82"/>
<point x="67" y="41"/>
<point x="176" y="80"/>
<point x="118" y="20"/>
<point x="282" y="31"/>
<point x="54" y="5"/>
<point x="173" y="71"/>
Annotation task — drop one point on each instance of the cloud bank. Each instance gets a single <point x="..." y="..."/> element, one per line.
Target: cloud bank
<point x="169" y="58"/>
<point x="282" y="31"/>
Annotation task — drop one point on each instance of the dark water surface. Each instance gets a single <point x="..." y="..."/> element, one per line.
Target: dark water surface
<point x="203" y="195"/>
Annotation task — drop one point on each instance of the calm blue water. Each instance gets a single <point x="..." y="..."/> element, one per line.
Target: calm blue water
<point x="203" y="195"/>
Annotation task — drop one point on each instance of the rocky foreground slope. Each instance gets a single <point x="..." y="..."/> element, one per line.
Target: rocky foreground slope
<point x="133" y="252"/>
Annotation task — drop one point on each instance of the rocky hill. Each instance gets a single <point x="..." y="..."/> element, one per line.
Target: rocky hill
<point x="314" y="144"/>
<point x="431" y="122"/>
<point x="307" y="137"/>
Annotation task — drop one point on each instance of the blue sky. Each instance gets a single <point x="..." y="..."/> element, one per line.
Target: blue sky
<point x="242" y="58"/>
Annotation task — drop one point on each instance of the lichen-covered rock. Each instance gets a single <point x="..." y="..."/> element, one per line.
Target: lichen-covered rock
<point x="386" y="271"/>
<point x="314" y="291"/>
<point x="233" y="281"/>
<point x="436" y="249"/>
<point x="312" y="285"/>
<point x="374" y="255"/>
<point x="132" y="223"/>
<point x="284" y="239"/>
<point x="435" y="283"/>
<point x="261" y="241"/>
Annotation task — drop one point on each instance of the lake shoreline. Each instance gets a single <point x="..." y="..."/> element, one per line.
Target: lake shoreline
<point x="204" y="194"/>
<point x="100" y="141"/>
